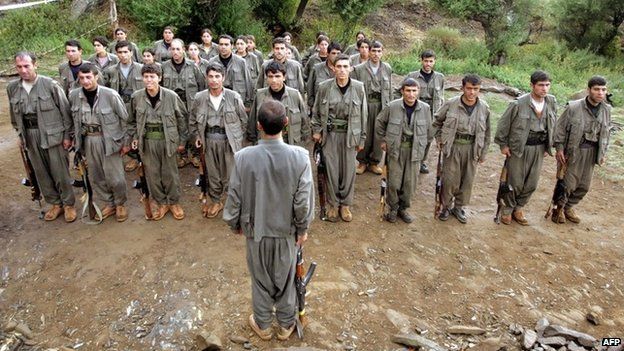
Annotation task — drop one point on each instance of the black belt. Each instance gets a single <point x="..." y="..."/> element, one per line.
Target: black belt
<point x="215" y="130"/>
<point x="588" y="144"/>
<point x="465" y="137"/>
<point x="91" y="128"/>
<point x="30" y="122"/>
<point x="181" y="94"/>
<point x="405" y="138"/>
<point x="537" y="138"/>
<point x="374" y="96"/>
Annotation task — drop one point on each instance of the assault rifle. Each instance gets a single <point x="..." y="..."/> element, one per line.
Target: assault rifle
<point x="31" y="179"/>
<point x="559" y="193"/>
<point x="88" y="207"/>
<point x="503" y="189"/>
<point x="141" y="184"/>
<point x="301" y="282"/>
<point x="321" y="177"/>
<point x="202" y="180"/>
<point x="383" y="187"/>
<point x="438" y="187"/>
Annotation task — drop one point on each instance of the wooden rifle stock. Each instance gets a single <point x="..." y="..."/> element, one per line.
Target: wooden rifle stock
<point x="438" y="186"/>
<point x="141" y="184"/>
<point x="321" y="177"/>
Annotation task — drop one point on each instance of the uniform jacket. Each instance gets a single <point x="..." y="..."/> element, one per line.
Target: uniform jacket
<point x="294" y="76"/>
<point x="114" y="79"/>
<point x="364" y="74"/>
<point x="209" y="53"/>
<point x="136" y="53"/>
<point x="67" y="78"/>
<point x="432" y="91"/>
<point x="320" y="73"/>
<point x="389" y="128"/>
<point x="190" y="80"/>
<point x="112" y="60"/>
<point x="237" y="78"/>
<point x="162" y="53"/>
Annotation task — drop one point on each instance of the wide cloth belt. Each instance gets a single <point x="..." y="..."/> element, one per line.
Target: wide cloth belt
<point x="537" y="138"/>
<point x="588" y="144"/>
<point x="30" y="121"/>
<point x="154" y="131"/>
<point x="92" y="129"/>
<point x="464" y="139"/>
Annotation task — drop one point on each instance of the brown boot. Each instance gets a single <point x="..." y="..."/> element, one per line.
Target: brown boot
<point x="53" y="213"/>
<point x="121" y="213"/>
<point x="284" y="333"/>
<point x="375" y="169"/>
<point x="161" y="212"/>
<point x="131" y="165"/>
<point x="345" y="213"/>
<point x="571" y="216"/>
<point x="506" y="219"/>
<point x="557" y="216"/>
<point x="332" y="214"/>
<point x="361" y="168"/>
<point x="519" y="217"/>
<point x="195" y="161"/>
<point x="70" y="213"/>
<point x="264" y="334"/>
<point x="177" y="211"/>
<point x="214" y="209"/>
<point x="108" y="211"/>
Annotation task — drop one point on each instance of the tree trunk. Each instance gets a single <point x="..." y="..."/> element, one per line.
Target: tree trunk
<point x="300" y="10"/>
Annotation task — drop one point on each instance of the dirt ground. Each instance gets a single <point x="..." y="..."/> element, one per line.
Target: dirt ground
<point x="155" y="285"/>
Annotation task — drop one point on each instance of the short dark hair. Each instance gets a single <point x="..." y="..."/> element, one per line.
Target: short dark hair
<point x="342" y="57"/>
<point x="73" y="42"/>
<point x="150" y="50"/>
<point x="151" y="68"/>
<point x="539" y="76"/>
<point x="100" y="39"/>
<point x="272" y="117"/>
<point x="363" y="41"/>
<point x="205" y="30"/>
<point x="360" y="32"/>
<point x="320" y="32"/>
<point x="241" y="37"/>
<point x="321" y="38"/>
<point x="596" y="81"/>
<point x="278" y="40"/>
<point x="122" y="44"/>
<point x="409" y="82"/>
<point x="24" y="54"/>
<point x="275" y="67"/>
<point x="334" y="46"/>
<point x="376" y="44"/>
<point x="472" y="79"/>
<point x="120" y="29"/>
<point x="427" y="54"/>
<point x="226" y="36"/>
<point x="217" y="67"/>
<point x="88" y="67"/>
<point x="170" y="28"/>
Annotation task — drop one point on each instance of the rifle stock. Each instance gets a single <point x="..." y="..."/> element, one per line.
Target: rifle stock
<point x="94" y="213"/>
<point x="141" y="184"/>
<point x="302" y="279"/>
<point x="558" y="191"/>
<point x="321" y="177"/>
<point x="383" y="187"/>
<point x="31" y="179"/>
<point x="438" y="187"/>
<point x="503" y="189"/>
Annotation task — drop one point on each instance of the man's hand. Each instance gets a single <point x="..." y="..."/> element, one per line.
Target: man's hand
<point x="506" y="151"/>
<point x="181" y="148"/>
<point x="67" y="143"/>
<point x="198" y="143"/>
<point x="135" y="144"/>
<point x="560" y="157"/>
<point x="384" y="147"/>
<point x="124" y="150"/>
<point x="302" y="238"/>
<point x="360" y="148"/>
<point x="316" y="137"/>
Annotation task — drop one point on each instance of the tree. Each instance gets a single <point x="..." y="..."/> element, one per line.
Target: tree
<point x="505" y="22"/>
<point x="590" y="24"/>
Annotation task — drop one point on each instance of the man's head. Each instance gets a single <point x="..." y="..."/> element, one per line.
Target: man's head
<point x="206" y="36"/>
<point x="376" y="51"/>
<point x="471" y="85"/>
<point x="225" y="45"/>
<point x="100" y="43"/>
<point x="363" y="46"/>
<point x="410" y="91"/>
<point x="122" y="49"/>
<point x="121" y="34"/>
<point x="241" y="44"/>
<point x="597" y="89"/>
<point x="151" y="76"/>
<point x="342" y="67"/>
<point x="168" y="34"/>
<point x="360" y="35"/>
<point x="279" y="49"/>
<point x="272" y="117"/>
<point x="177" y="50"/>
<point x="148" y="55"/>
<point x="73" y="51"/>
<point x="540" y="84"/>
<point x="427" y="60"/>
<point x="215" y="74"/>
<point x="87" y="76"/>
<point x="26" y="65"/>
<point x="333" y="50"/>
<point x="276" y="75"/>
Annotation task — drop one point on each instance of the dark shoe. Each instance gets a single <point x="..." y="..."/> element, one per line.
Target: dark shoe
<point x="444" y="215"/>
<point x="557" y="216"/>
<point x="406" y="217"/>
<point x="460" y="214"/>
<point x="391" y="216"/>
<point x="571" y="216"/>
<point x="519" y="217"/>
<point x="423" y="168"/>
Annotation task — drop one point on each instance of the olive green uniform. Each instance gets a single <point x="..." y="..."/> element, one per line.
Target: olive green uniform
<point x="208" y="53"/>
<point x="111" y="60"/>
<point x="237" y="78"/>
<point x="161" y="51"/>
<point x="293" y="78"/>
<point x="186" y="83"/>
<point x="320" y="73"/>
<point x="136" y="53"/>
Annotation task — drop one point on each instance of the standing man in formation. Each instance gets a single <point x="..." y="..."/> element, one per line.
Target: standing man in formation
<point x="236" y="74"/>
<point x="377" y="78"/>
<point x="208" y="49"/>
<point x="157" y="127"/>
<point x="431" y="90"/>
<point x="102" y="59"/>
<point x="294" y="75"/>
<point x="161" y="47"/>
<point x="525" y="133"/>
<point x="68" y="71"/>
<point x="582" y="140"/>
<point x="362" y="56"/>
<point x="217" y="123"/>
<point x="121" y="34"/>
<point x="297" y="130"/>
<point x="403" y="128"/>
<point x="463" y="133"/>
<point x="100" y="120"/>
<point x="271" y="202"/>
<point x="339" y="122"/>
<point x="40" y="114"/>
<point x="321" y="72"/>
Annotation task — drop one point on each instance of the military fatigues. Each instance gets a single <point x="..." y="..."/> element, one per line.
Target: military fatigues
<point x="186" y="83"/>
<point x="465" y="139"/>
<point x="124" y="85"/>
<point x="208" y="53"/>
<point x="136" y="53"/>
<point x="259" y="55"/>
<point x="202" y="66"/>
<point x="42" y="120"/>
<point x="341" y="120"/>
<point x="351" y="49"/>
<point x="110" y="61"/>
<point x="100" y="134"/>
<point x="406" y="138"/>
<point x="583" y="135"/>
<point x="159" y="130"/>
<point x="378" y="87"/>
<point x="253" y="65"/>
<point x="68" y="80"/>
<point x="298" y="129"/>
<point x="222" y="131"/>
<point x="431" y="92"/>
<point x="293" y="78"/>
<point x="161" y="50"/>
<point x="528" y="136"/>
<point x="237" y="78"/>
<point x="311" y="62"/>
<point x="271" y="199"/>
<point x="356" y="60"/>
<point x="320" y="73"/>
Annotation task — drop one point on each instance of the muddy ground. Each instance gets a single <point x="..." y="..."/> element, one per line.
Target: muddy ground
<point x="154" y="285"/>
